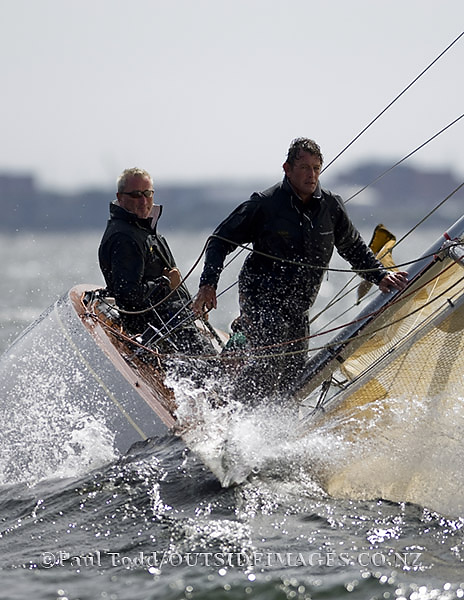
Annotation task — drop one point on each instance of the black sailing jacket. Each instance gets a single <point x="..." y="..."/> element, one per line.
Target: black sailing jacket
<point x="279" y="225"/>
<point x="132" y="256"/>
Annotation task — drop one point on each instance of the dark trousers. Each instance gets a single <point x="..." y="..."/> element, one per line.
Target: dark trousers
<point x="276" y="331"/>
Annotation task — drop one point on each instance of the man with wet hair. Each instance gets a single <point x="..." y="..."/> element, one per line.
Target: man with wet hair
<point x="294" y="227"/>
<point x="300" y="145"/>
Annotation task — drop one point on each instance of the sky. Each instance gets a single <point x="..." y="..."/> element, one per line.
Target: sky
<point x="215" y="90"/>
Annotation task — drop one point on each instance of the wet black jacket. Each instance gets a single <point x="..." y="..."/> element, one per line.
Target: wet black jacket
<point x="280" y="225"/>
<point x="132" y="256"/>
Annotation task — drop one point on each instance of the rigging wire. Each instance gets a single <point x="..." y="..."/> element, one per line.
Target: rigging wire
<point x="334" y="300"/>
<point x="340" y="296"/>
<point x="430" y="213"/>
<point x="184" y="279"/>
<point x="329" y="164"/>
<point x="189" y="319"/>
<point x="330" y="304"/>
<point x="392" y="102"/>
<point x="377" y="179"/>
<point x="403" y="159"/>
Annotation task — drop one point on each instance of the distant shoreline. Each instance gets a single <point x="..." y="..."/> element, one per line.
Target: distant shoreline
<point x="401" y="197"/>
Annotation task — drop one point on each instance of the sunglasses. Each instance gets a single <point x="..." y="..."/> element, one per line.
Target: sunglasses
<point x="139" y="194"/>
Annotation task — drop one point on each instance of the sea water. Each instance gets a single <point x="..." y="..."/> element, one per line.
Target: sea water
<point x="315" y="516"/>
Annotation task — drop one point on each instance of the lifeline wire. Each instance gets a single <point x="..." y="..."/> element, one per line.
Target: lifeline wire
<point x="283" y="344"/>
<point x="322" y="268"/>
<point x="295" y="352"/>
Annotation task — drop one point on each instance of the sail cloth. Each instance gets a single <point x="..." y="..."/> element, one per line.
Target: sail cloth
<point x="421" y="355"/>
<point x="412" y="347"/>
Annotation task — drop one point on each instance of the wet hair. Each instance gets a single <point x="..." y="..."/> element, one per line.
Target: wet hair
<point x="300" y="145"/>
<point x="122" y="179"/>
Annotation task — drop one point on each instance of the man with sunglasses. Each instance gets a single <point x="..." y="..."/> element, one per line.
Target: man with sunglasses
<point x="140" y="270"/>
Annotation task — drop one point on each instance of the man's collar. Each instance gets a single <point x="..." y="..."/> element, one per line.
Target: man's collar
<point x="155" y="214"/>
<point x="316" y="194"/>
<point x="318" y="191"/>
<point x="152" y="218"/>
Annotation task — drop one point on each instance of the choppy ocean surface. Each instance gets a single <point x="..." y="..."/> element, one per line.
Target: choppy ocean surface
<point x="155" y="523"/>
